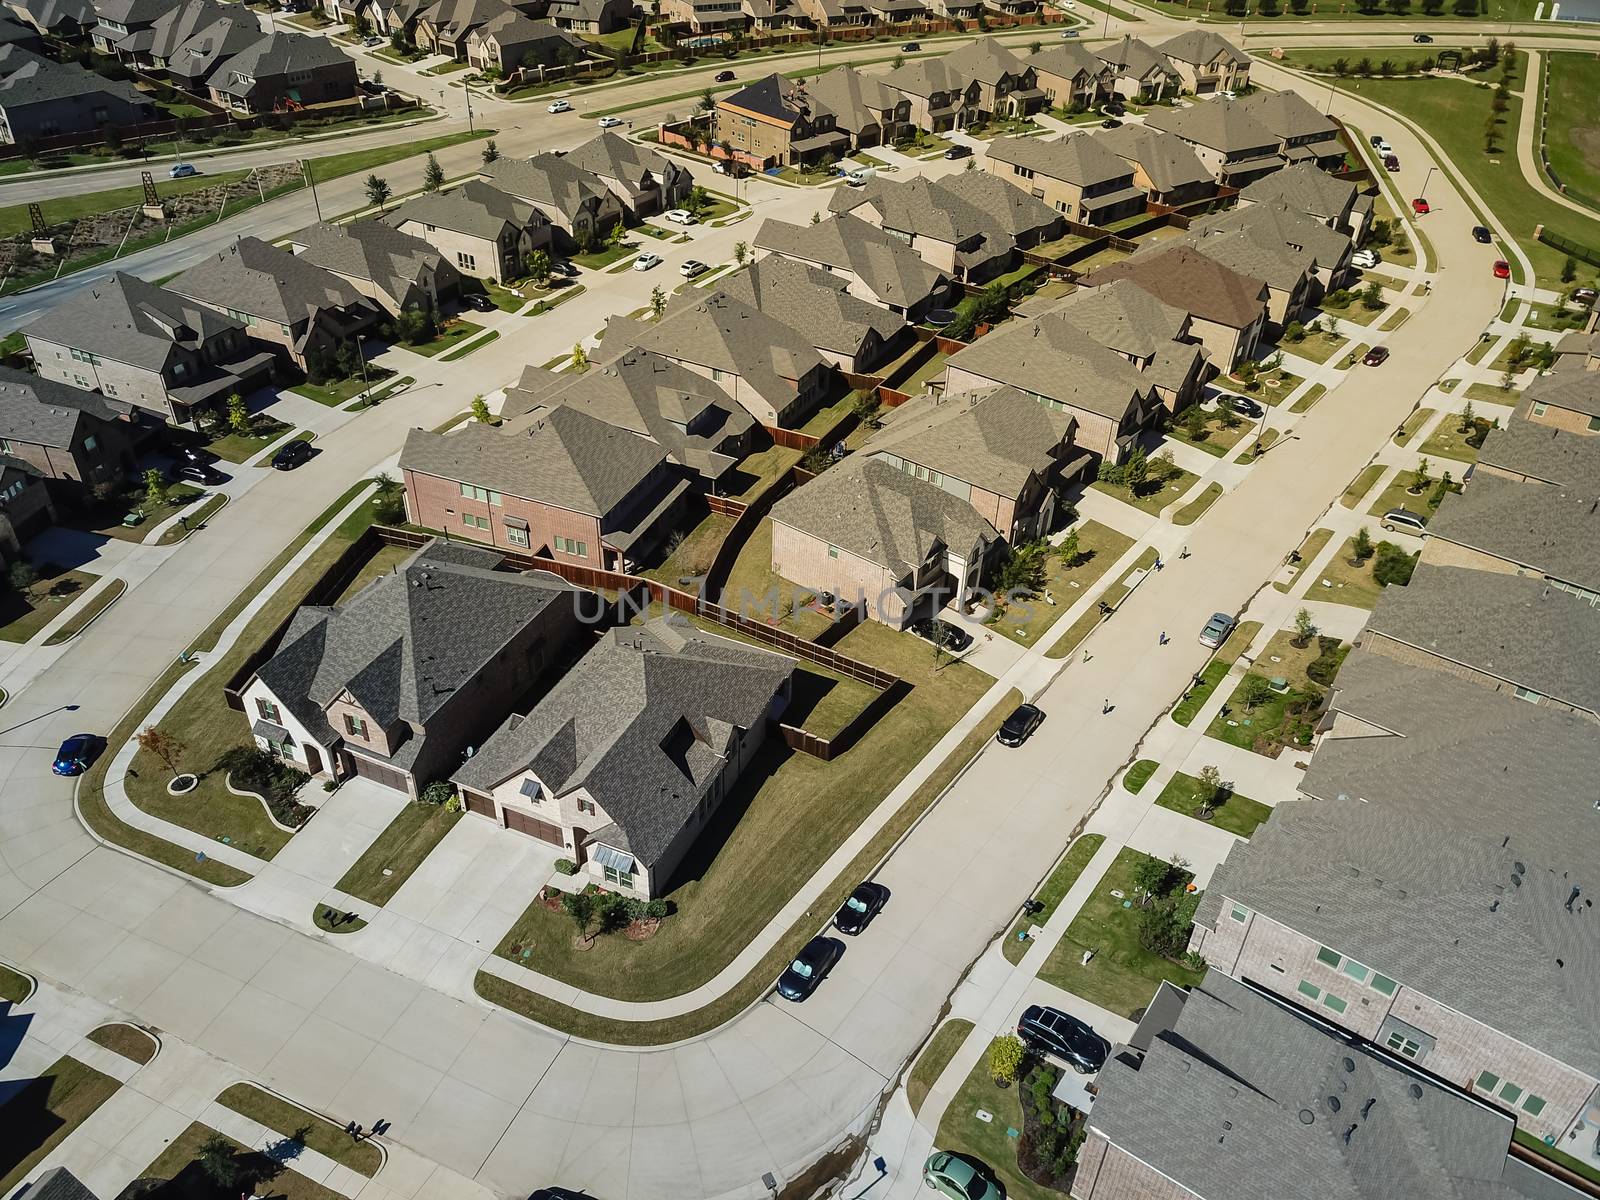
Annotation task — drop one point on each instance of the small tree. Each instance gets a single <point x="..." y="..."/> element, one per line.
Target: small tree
<point x="707" y="101"/>
<point x="1363" y="545"/>
<point x="698" y="198"/>
<point x="480" y="410"/>
<point x="155" y="487"/>
<point x="378" y="191"/>
<point x="432" y="175"/>
<point x="1294" y="332"/>
<point x="238" y="414"/>
<point x="1135" y="470"/>
<point x="1214" y="789"/>
<point x="1569" y="269"/>
<point x="614" y="234"/>
<point x="219" y="1163"/>
<point x="538" y="267"/>
<point x="22" y="576"/>
<point x="388" y="498"/>
<point x="1193" y="421"/>
<point x="156" y="741"/>
<point x="1372" y="296"/>
<point x="1254" y="690"/>
<point x="741" y="251"/>
<point x="585" y="236"/>
<point x="1393" y="565"/>
<point x="1023" y="569"/>
<point x="580" y="907"/>
<point x="1070" y="549"/>
<point x="1005" y="1058"/>
<point x="1420" y="478"/>
<point x="658" y="302"/>
<point x="1246" y="373"/>
<point x="1469" y="419"/>
<point x="1304" y="627"/>
<point x="491" y="152"/>
<point x="580" y="358"/>
<point x="1151" y="877"/>
<point x="816" y="218"/>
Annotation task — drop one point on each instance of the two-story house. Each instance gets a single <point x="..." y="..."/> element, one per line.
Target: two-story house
<point x="940" y="97"/>
<point x="1300" y="258"/>
<point x="146" y="345"/>
<point x="117" y="20"/>
<point x="644" y="181"/>
<point x="1156" y="337"/>
<point x="1003" y="84"/>
<point x="869" y="110"/>
<point x="1313" y="192"/>
<point x="415" y="668"/>
<point x="1206" y="62"/>
<point x="703" y="17"/>
<point x="65" y="19"/>
<point x="1070" y="76"/>
<point x="282" y="71"/>
<point x="445" y="25"/>
<point x="626" y="761"/>
<point x="480" y="230"/>
<point x="1567" y="398"/>
<point x="1075" y="175"/>
<point x="190" y="42"/>
<point x="775" y="122"/>
<point x="1227" y="309"/>
<point x="511" y="41"/>
<point x="875" y="264"/>
<point x="1139" y="70"/>
<point x="1166" y="167"/>
<point x="392" y="268"/>
<point x="579" y="207"/>
<point x="1235" y="147"/>
<point x="1304" y="134"/>
<point x="40" y="98"/>
<point x="853" y="334"/>
<point x="76" y="439"/>
<point x="593" y="17"/>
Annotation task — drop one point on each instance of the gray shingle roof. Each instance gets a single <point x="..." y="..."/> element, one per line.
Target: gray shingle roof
<point x="772" y="96"/>
<point x="1050" y="356"/>
<point x="1068" y="61"/>
<point x="1287" y="114"/>
<point x="1570" y="388"/>
<point x="814" y="301"/>
<point x="924" y="76"/>
<point x="618" y="158"/>
<point x="1135" y="58"/>
<point x="1541" y="452"/>
<point x="854" y="99"/>
<point x="56" y="14"/>
<point x="370" y="249"/>
<point x="475" y="208"/>
<point x="58" y="1183"/>
<point x="1279" y="229"/>
<point x="253" y="277"/>
<point x="1168" y="160"/>
<point x="894" y="272"/>
<point x="1076" y="158"/>
<point x="1122" y="316"/>
<point x="196" y="56"/>
<point x="1185" y="278"/>
<point x="1516" y="628"/>
<point x="953" y="209"/>
<point x="1220" y="125"/>
<point x="278" y="54"/>
<point x="985" y="60"/>
<point x="1552" y="530"/>
<point x="42" y="412"/>
<point x="1233" y="1101"/>
<point x="546" y="179"/>
<point x="883" y="515"/>
<point x="645" y="723"/>
<point x="30" y="79"/>
<point x="410" y="640"/>
<point x="1305" y="188"/>
<point x="1202" y="47"/>
<point x="568" y="459"/>
<point x="131" y="321"/>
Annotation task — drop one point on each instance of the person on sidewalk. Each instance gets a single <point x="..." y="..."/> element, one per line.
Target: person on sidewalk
<point x="1164" y="638"/>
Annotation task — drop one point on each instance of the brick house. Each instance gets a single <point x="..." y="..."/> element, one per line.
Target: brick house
<point x="1235" y="147"/>
<point x="578" y="205"/>
<point x="75" y="438"/>
<point x="593" y="17"/>
<point x="1206" y="62"/>
<point x="284" y="71"/>
<point x="627" y="760"/>
<point x="480" y="230"/>
<point x="775" y="122"/>
<point x="1069" y="75"/>
<point x="1166" y="167"/>
<point x="511" y="41"/>
<point x="643" y="180"/>
<point x="1304" y="134"/>
<point x="1567" y="399"/>
<point x="939" y="97"/>
<point x="1309" y="190"/>
<point x="419" y="665"/>
<point x="1139" y="70"/>
<point x="869" y="110"/>
<point x="40" y="98"/>
<point x="388" y="266"/>
<point x="1075" y="175"/>
<point x="876" y="265"/>
<point x="852" y="334"/>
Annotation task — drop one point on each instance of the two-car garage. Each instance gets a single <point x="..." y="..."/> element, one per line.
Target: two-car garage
<point x="388" y="776"/>
<point x="532" y="826"/>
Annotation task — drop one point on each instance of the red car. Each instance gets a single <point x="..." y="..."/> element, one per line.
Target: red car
<point x="1420" y="206"/>
<point x="1376" y="357"/>
<point x="1502" y="269"/>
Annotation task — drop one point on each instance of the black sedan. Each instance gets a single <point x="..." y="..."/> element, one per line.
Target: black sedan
<point x="810" y="968"/>
<point x="194" y="472"/>
<point x="196" y="454"/>
<point x="291" y="456"/>
<point x="1245" y="406"/>
<point x="723" y="77"/>
<point x="1422" y="39"/>
<point x="1481" y="234"/>
<point x="1111" y="123"/>
<point x="1019" y="726"/>
<point x="478" y="301"/>
<point x="942" y="633"/>
<point x="1051" y="1031"/>
<point x="958" y="151"/>
<point x="857" y="912"/>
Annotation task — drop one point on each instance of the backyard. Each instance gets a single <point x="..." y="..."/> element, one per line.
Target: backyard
<point x="1280" y="698"/>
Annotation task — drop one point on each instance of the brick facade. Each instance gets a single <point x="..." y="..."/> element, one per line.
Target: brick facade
<point x="1556" y="417"/>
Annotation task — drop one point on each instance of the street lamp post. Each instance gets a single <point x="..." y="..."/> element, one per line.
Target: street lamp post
<point x="1423" y="193"/>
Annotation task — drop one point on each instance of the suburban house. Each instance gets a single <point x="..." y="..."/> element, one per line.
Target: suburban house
<point x="1509" y="633"/>
<point x="1304" y="135"/>
<point x="1151" y="334"/>
<point x="593" y="17"/>
<point x="480" y="230"/>
<point x="566" y="486"/>
<point x="25" y="506"/>
<point x="1139" y="70"/>
<point x="152" y="45"/>
<point x="1308" y="189"/>
<point x="1001" y="451"/>
<point x="42" y="98"/>
<point x="116" y="20"/>
<point x="193" y="60"/>
<point x="969" y="226"/>
<point x="1063" y="368"/>
<point x="74" y="438"/>
<point x="445" y="25"/>
<point x="999" y="83"/>
<point x="827" y="14"/>
<point x="1567" y="398"/>
<point x="388" y="17"/>
<point x="416" y="668"/>
<point x="775" y="122"/>
<point x="876" y="265"/>
<point x="694" y="420"/>
<point x="1580" y="348"/>
<point x="1234" y="146"/>
<point x="625" y="762"/>
<point x="864" y="106"/>
<point x="295" y="307"/>
<point x="1206" y="62"/>
<point x="146" y="345"/>
<point x="511" y="41"/>
<point x="283" y="71"/>
<point x="1299" y="257"/>
<point x="575" y="202"/>
<point x="1533" y="453"/>
<point x="65" y="19"/>
<point x="701" y="17"/>
<point x="853" y="334"/>
<point x="1165" y="166"/>
<point x="1227" y="310"/>
<point x="1075" y="175"/>
<point x="770" y="368"/>
<point x="878" y="537"/>
<point x="1430" y="895"/>
<point x="644" y="181"/>
<point x="14" y="32"/>
<point x="1070" y="76"/>
<point x="941" y="98"/>
<point x="393" y="268"/>
<point x="1225" y="1090"/>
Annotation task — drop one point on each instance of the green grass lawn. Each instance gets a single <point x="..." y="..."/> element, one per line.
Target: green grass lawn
<point x="455" y="331"/>
<point x="783" y="818"/>
<point x="935" y="1057"/>
<point x="14" y="985"/>
<point x="133" y="1044"/>
<point x="1492" y="393"/>
<point x="449" y="68"/>
<point x="1196" y="508"/>
<point x="1054" y="889"/>
<point x="1099" y="547"/>
<point x="1309" y="549"/>
<point x="1220" y="433"/>
<point x="192" y="519"/>
<point x="179" y="1163"/>
<point x="823" y="702"/>
<point x="1355" y="311"/>
<point x="604" y="256"/>
<point x="1348" y="582"/>
<point x="1318" y="346"/>
<point x="1285" y="718"/>
<point x="241" y="447"/>
<point x="754" y="591"/>
<point x="1152" y="496"/>
<point x="87" y="612"/>
<point x="1571" y="127"/>
<point x="1237" y="814"/>
<point x="1361" y="484"/>
<point x="314" y="1132"/>
<point x="1399" y="495"/>
<point x="1139" y="774"/>
<point x="1122" y="976"/>
<point x="1447" y="441"/>
<point x="469" y="347"/>
<point x="341" y="391"/>
<point x="1312" y="394"/>
<point x="1215" y="671"/>
<point x="1415" y="421"/>
<point x="42" y="1112"/>
<point x="692" y="556"/>
<point x="1113" y="595"/>
<point x="399" y="849"/>
<point x="24" y="613"/>
<point x="961" y="1130"/>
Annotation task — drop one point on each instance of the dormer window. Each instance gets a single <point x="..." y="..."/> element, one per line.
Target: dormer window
<point x="532" y="789"/>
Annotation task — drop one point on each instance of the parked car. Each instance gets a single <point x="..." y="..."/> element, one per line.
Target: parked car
<point x="556" y="106"/>
<point x="692" y="267"/>
<point x="1376" y="140"/>
<point x="191" y="472"/>
<point x="1384" y="147"/>
<point x="1245" y="406"/>
<point x="1069" y="33"/>
<point x="1422" y="39"/>
<point x="610" y="122"/>
<point x="1365" y="259"/>
<point x="1376" y="357"/>
<point x="564" y="267"/>
<point x="801" y="977"/>
<point x="196" y="454"/>
<point x="1114" y="108"/>
<point x="957" y="1177"/>
<point x="1404" y="520"/>
<point x="1217" y="630"/>
<point x="911" y="46"/>
<point x="1228" y="95"/>
<point x="1111" y="123"/>
<point x="646" y="262"/>
<point x="1502" y="269"/>
<point x="75" y="754"/>
<point x="1019" y="726"/>
<point x="1051" y="1031"/>
<point x="1421" y="207"/>
<point x="678" y="216"/>
<point x="292" y="455"/>
<point x="371" y="41"/>
<point x="1391" y="162"/>
<point x="958" y="151"/>
<point x="1584" y="297"/>
<point x="182" y="170"/>
<point x="857" y="912"/>
<point x="722" y="77"/>
<point x="1480" y="233"/>
<point x="942" y="633"/>
<point x="478" y="301"/>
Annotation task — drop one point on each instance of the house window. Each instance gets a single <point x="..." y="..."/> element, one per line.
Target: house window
<point x="465" y="261"/>
<point x="586" y="806"/>
<point x="1401" y="1044"/>
<point x="1356" y="971"/>
<point x="1510" y="1092"/>
<point x="1329" y="958"/>
<point x="1540" y="409"/>
<point x="1528" y="694"/>
<point x="569" y="546"/>
<point x="1383" y="984"/>
<point x="1239" y="913"/>
<point x="619" y="878"/>
<point x="355" y="726"/>
<point x="474" y="520"/>
<point x="1308" y="989"/>
<point x="89" y="443"/>
<point x="1533" y="1105"/>
<point x="269" y="710"/>
<point x="1487" y="1081"/>
<point x="517" y="537"/>
<point x="833" y="551"/>
<point x="1594" y="424"/>
<point x="1334" y="1002"/>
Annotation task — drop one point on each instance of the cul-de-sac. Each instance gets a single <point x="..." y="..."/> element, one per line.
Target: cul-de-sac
<point x="799" y="599"/>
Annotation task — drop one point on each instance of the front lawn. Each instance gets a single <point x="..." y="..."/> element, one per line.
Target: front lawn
<point x="1113" y="596"/>
<point x="176" y="1174"/>
<point x="23" y="613"/>
<point x="1284" y="715"/>
<point x="1153" y="494"/>
<point x="396" y="852"/>
<point x="604" y="256"/>
<point x="1448" y="440"/>
<point x="1121" y="975"/>
<point x="1318" y="347"/>
<point x="1399" y="495"/>
<point x="935" y="1057"/>
<point x="1237" y="814"/>
<point x="1344" y="581"/>
<point x="43" y="1111"/>
<point x="1217" y="434"/>
<point x="341" y="391"/>
<point x="242" y="447"/>
<point x="1099" y="548"/>
<point x="1309" y="549"/>
<point x="106" y="519"/>
<point x="456" y="330"/>
<point x="1050" y="895"/>
<point x="992" y="1141"/>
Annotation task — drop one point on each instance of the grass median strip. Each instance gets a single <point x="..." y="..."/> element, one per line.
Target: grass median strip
<point x="935" y="1057"/>
<point x="133" y="1043"/>
<point x="1049" y="897"/>
<point x="192" y="521"/>
<point x="312" y="1131"/>
<point x="1196" y="508"/>
<point x="463" y="351"/>
<point x="14" y="985"/>
<point x="408" y="839"/>
<point x="79" y="620"/>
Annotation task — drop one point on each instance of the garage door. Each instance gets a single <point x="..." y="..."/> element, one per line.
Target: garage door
<point x="532" y="826"/>
<point x="481" y="805"/>
<point x="379" y="773"/>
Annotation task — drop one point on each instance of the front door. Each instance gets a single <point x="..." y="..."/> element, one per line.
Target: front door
<point x="313" y="760"/>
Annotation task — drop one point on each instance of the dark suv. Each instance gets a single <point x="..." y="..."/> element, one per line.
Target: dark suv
<point x="1051" y="1031"/>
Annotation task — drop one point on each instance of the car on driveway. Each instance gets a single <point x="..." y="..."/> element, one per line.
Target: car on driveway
<point x="559" y="106"/>
<point x="1217" y="630"/>
<point x="1376" y="357"/>
<point x="1111" y="123"/>
<point x="182" y="170"/>
<point x="809" y="968"/>
<point x="1421" y="207"/>
<point x="722" y="77"/>
<point x="1480" y="233"/>
<point x="1364" y="259"/>
<point x="371" y="41"/>
<point x="692" y="267"/>
<point x="1502" y="269"/>
<point x="192" y="472"/>
<point x="292" y="455"/>
<point x="562" y="266"/>
<point x="196" y="454"/>
<point x="942" y="633"/>
<point x="857" y="912"/>
<point x="678" y="216"/>
<point x="1019" y="726"/>
<point x="479" y="301"/>
<point x="1404" y="520"/>
<point x="958" y="151"/>
<point x="1244" y="406"/>
<point x="610" y="122"/>
<point x="957" y="1177"/>
<point x="646" y="262"/>
<point x="1048" y="1030"/>
<point x="75" y="754"/>
<point x="1584" y="297"/>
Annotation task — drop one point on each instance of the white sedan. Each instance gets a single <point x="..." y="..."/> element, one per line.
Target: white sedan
<point x="610" y="122"/>
<point x="678" y="216"/>
<point x="646" y="262"/>
<point x="559" y="106"/>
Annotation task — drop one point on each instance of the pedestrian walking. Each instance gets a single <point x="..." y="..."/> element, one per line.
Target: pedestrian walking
<point x="1164" y="638"/>
<point x="1105" y="707"/>
<point x="1159" y="563"/>
<point x="1184" y="553"/>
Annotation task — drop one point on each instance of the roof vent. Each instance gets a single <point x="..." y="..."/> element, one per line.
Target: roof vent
<point x="1348" y="1133"/>
<point x="1575" y="893"/>
<point x="1349" y="1064"/>
<point x="1560" y="962"/>
<point x="1416" y="1091"/>
<point x="1307" y="1116"/>
<point x="1367" y="1107"/>
<point x="1333" y="1104"/>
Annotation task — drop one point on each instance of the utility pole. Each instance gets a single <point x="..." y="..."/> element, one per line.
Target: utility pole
<point x="311" y="182"/>
<point x="466" y="88"/>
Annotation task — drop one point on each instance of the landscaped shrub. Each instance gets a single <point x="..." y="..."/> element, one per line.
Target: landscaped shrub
<point x="565" y="866"/>
<point x="253" y="769"/>
<point x="1005" y="1058"/>
<point x="1051" y="1132"/>
<point x="1326" y="665"/>
<point x="437" y="792"/>
<point x="1393" y="565"/>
